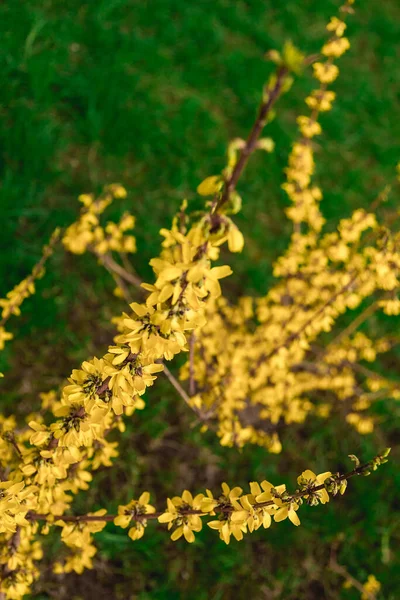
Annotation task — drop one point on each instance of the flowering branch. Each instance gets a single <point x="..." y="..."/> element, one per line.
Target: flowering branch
<point x="331" y="484"/>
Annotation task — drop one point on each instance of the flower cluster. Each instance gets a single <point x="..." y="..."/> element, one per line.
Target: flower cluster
<point x="88" y="234"/>
<point x="134" y="515"/>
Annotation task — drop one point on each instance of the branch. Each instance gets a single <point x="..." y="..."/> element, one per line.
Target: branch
<point x="117" y="278"/>
<point x="177" y="386"/>
<point x="226" y="509"/>
<point x="251" y="142"/>
<point x="110" y="263"/>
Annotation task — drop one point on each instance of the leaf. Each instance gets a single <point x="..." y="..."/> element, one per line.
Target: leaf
<point x="211" y="185"/>
<point x="354" y="458"/>
<point x="292" y="57"/>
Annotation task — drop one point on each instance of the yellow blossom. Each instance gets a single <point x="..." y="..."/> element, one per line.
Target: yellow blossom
<point x="136" y="510"/>
<point x="325" y="72"/>
<point x="183" y="515"/>
<point x="371" y="587"/>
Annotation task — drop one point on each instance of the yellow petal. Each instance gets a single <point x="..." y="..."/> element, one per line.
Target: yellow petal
<point x="266" y="520"/>
<point x="225" y="533"/>
<point x="220" y="272"/>
<point x="281" y="514"/>
<point x="144" y="498"/>
<point x="188" y="533"/>
<point x="308" y="475"/>
<point x="187" y="497"/>
<point x="293" y="517"/>
<point x="166" y="518"/>
<point x="215" y="524"/>
<point x="235" y="240"/>
<point x="177" y="534"/>
<point x="255" y="488"/>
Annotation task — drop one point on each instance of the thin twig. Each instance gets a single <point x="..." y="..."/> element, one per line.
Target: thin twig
<point x="340" y="570"/>
<point x="253" y="136"/>
<point x="108" y="261"/>
<point x="118" y="280"/>
<point x="177" y="386"/>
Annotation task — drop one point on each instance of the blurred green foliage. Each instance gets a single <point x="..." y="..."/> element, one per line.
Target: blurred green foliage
<point x="147" y="93"/>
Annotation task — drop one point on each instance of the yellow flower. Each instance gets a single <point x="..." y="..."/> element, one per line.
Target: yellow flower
<point x="78" y="533"/>
<point x="337" y="26"/>
<point x="42" y="434"/>
<point x="287" y="510"/>
<point x="268" y="492"/>
<point x="336" y="47"/>
<point x="87" y="233"/>
<point x="4" y="337"/>
<point x="371" y="587"/>
<point x="232" y="520"/>
<point x="308" y="480"/>
<point x="257" y="516"/>
<point x="16" y="499"/>
<point x="231" y="524"/>
<point x="78" y="560"/>
<point x="180" y="518"/>
<point x="321" y="100"/>
<point x="325" y="72"/>
<point x="136" y="511"/>
<point x="308" y="127"/>
<point x="117" y="190"/>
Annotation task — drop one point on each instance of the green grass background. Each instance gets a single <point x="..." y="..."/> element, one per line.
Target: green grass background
<point x="147" y="93"/>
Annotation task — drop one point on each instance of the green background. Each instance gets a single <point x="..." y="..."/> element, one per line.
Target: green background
<point x="148" y="93"/>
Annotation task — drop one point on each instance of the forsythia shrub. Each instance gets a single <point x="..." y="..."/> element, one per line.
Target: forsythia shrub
<point x="251" y="367"/>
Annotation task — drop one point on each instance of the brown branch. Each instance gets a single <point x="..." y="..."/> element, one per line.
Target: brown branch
<point x="183" y="394"/>
<point x="110" y="263"/>
<point x="336" y="568"/>
<point x="127" y="265"/>
<point x="10" y="438"/>
<point x="118" y="280"/>
<point x="248" y="148"/>
<point x="33" y="516"/>
<point x="252" y="138"/>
